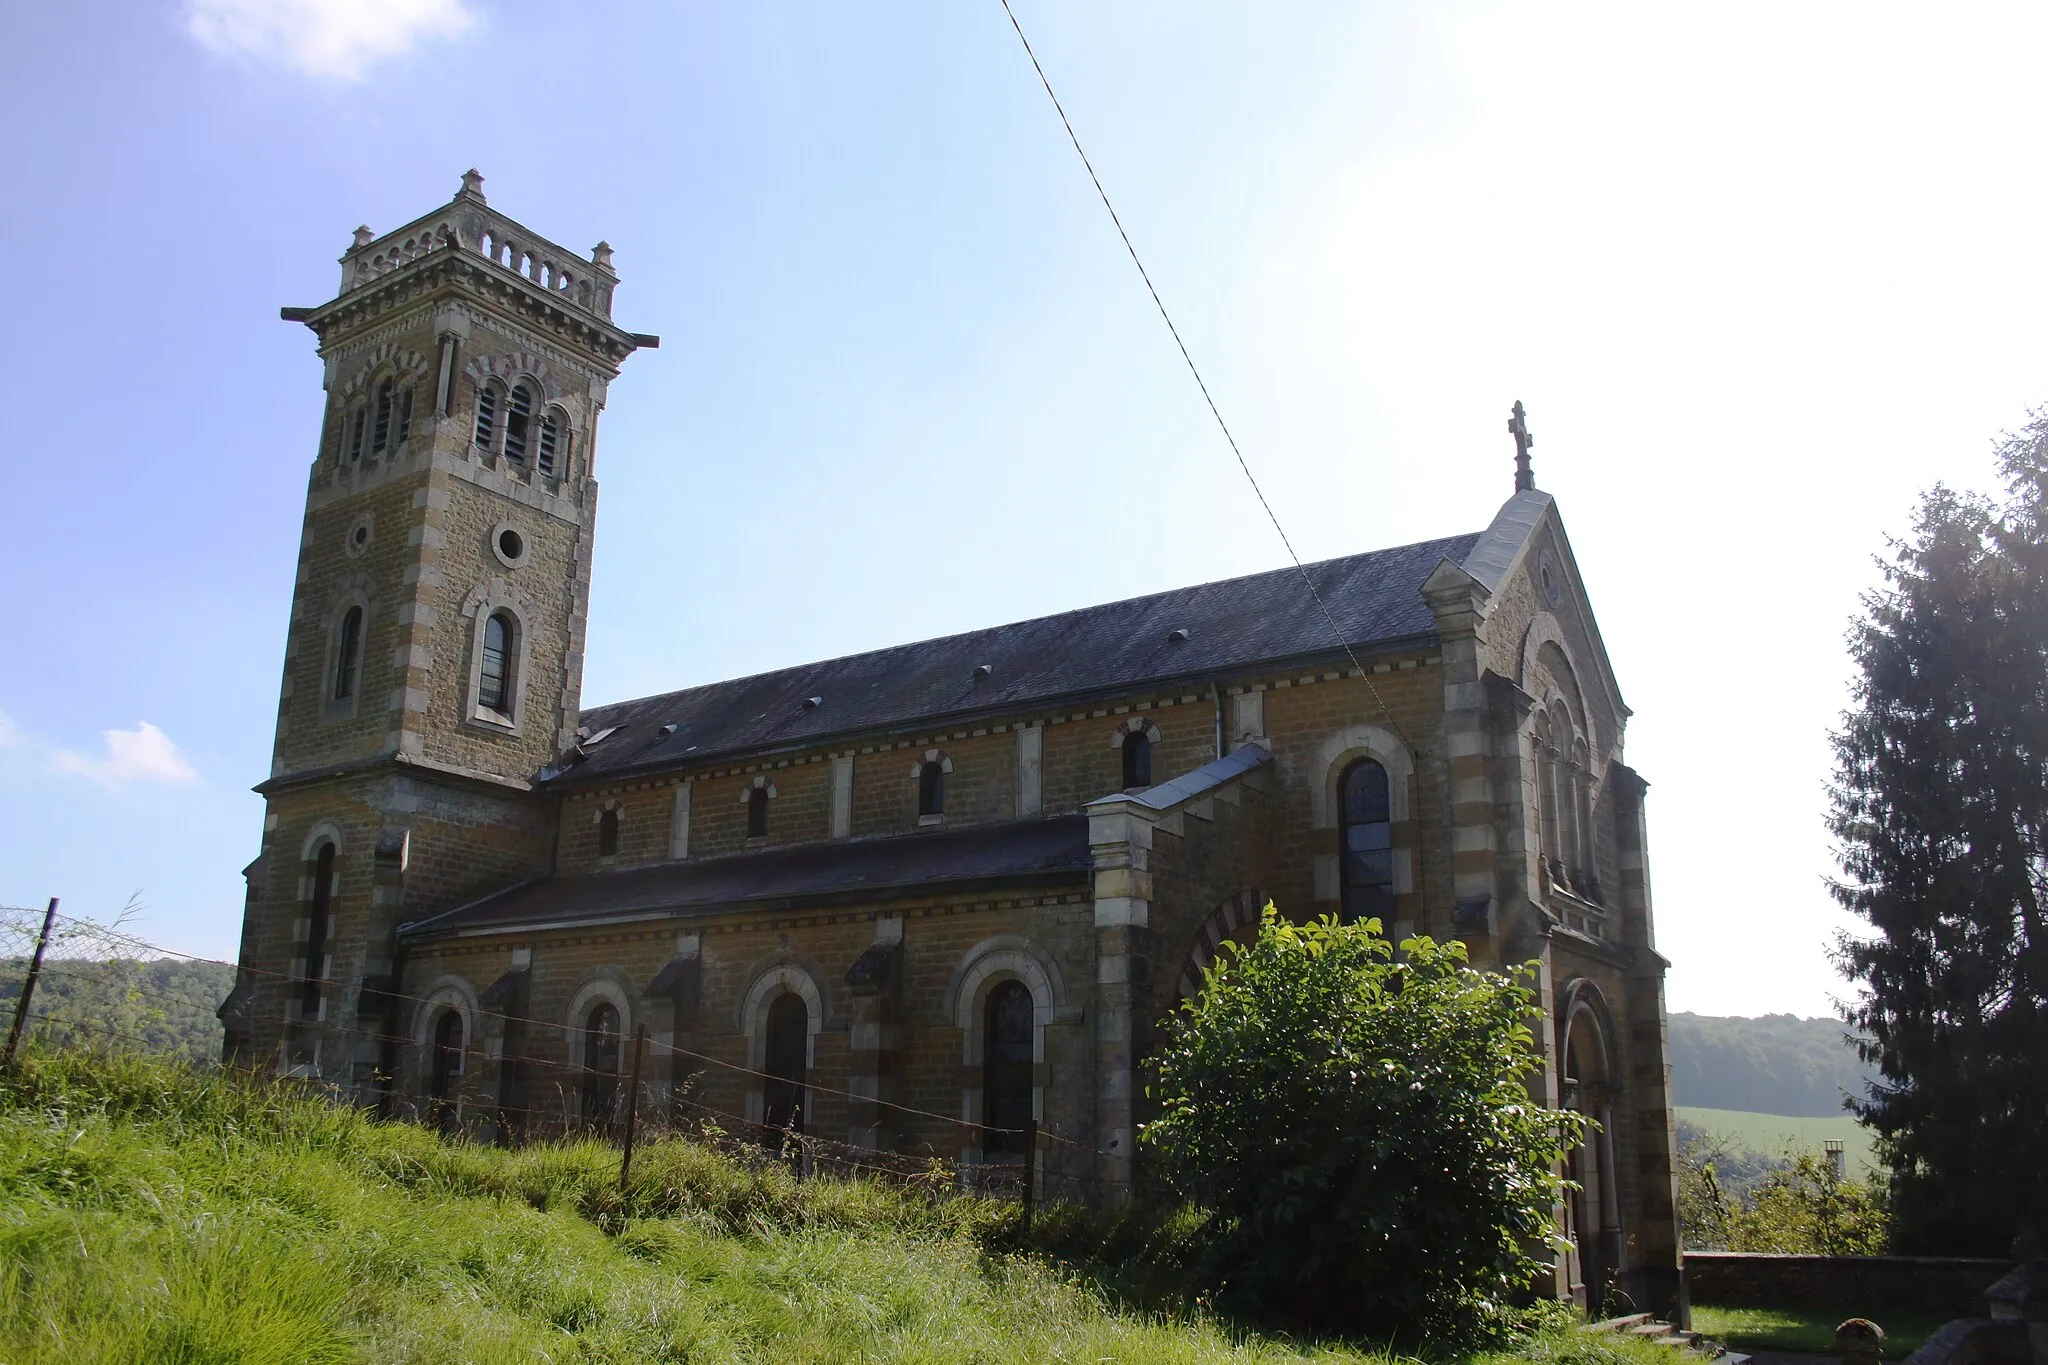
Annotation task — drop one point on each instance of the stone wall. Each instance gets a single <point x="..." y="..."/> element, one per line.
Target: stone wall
<point x="1856" y="1286"/>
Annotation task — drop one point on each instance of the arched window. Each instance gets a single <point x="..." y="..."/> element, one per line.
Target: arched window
<point x="380" y="430"/>
<point x="787" y="1065"/>
<point x="1366" y="833"/>
<point x="931" y="788"/>
<point x="1007" y="1025"/>
<point x="404" y="416"/>
<point x="319" y="926"/>
<point x="1546" y="788"/>
<point x="601" y="1064"/>
<point x="446" y="1066"/>
<point x="486" y="414"/>
<point x="757" y="813"/>
<point x="608" y="833"/>
<point x="518" y="418"/>
<point x="550" y="437"/>
<point x="494" y="679"/>
<point x="1137" y="760"/>
<point x="348" y="654"/>
<point x="359" y="425"/>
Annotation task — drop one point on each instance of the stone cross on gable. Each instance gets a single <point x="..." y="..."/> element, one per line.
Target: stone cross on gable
<point x="1518" y="427"/>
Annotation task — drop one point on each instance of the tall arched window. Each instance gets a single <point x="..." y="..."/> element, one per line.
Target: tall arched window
<point x="1366" y="832"/>
<point x="601" y="1064"/>
<point x="787" y="1064"/>
<point x="550" y="437"/>
<point x="1007" y="1023"/>
<point x="757" y="813"/>
<point x="518" y="420"/>
<point x="319" y="927"/>
<point x="608" y="833"/>
<point x="1137" y="760"/>
<point x="380" y="430"/>
<point x="359" y="425"/>
<point x="404" y="416"/>
<point x="348" y="654"/>
<point x="446" y="1066"/>
<point x="931" y="788"/>
<point x="494" y="678"/>
<point x="486" y="414"/>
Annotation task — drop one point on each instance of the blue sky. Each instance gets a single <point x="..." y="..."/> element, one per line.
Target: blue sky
<point x="1761" y="273"/>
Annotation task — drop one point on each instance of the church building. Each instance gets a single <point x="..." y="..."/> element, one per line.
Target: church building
<point x="920" y="900"/>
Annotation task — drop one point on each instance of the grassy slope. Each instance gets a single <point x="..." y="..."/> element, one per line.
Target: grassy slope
<point x="150" y="1213"/>
<point x="1772" y="1134"/>
<point x="1809" y="1330"/>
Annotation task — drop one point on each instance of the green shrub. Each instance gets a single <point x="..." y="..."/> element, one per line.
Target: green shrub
<point x="1362" y="1128"/>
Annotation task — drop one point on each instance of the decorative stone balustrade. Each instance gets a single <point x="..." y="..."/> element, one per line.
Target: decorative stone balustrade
<point x="468" y="224"/>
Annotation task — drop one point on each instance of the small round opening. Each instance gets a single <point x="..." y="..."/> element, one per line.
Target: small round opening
<point x="362" y="535"/>
<point x="510" y="545"/>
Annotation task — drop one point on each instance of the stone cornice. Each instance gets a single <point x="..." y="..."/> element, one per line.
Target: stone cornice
<point x="471" y="278"/>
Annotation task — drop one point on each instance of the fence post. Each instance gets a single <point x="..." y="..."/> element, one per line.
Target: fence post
<point x="632" y="1107"/>
<point x="1030" y="1171"/>
<point x="28" y="986"/>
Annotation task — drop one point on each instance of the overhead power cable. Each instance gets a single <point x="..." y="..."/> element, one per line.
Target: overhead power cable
<point x="1195" y="370"/>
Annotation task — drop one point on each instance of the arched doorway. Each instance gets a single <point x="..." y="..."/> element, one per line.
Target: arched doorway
<point x="1006" y="1069"/>
<point x="445" y="1068"/>
<point x="601" y="1065"/>
<point x="1593" y="1210"/>
<point x="788" y="1060"/>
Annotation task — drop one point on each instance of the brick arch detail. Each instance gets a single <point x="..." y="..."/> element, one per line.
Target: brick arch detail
<point x="1234" y="913"/>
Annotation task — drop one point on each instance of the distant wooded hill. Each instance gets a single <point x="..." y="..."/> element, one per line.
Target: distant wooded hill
<point x="1778" y="1064"/>
<point x="160" y="1005"/>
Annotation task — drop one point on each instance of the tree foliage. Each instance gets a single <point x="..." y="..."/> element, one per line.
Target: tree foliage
<point x="1363" y="1130"/>
<point x="1940" y="809"/>
<point x="1735" y="1200"/>
<point x="155" y="1005"/>
<point x="1774" y="1064"/>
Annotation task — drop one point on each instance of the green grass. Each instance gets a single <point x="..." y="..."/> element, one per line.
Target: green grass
<point x="1807" y="1329"/>
<point x="1771" y="1134"/>
<point x="148" y="1212"/>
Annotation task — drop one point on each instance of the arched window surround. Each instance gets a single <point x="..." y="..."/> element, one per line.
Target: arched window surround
<point x="334" y="707"/>
<point x="1333" y="759"/>
<point x="928" y="774"/>
<point x="785" y="976"/>
<point x="312" y="962"/>
<point x="1000" y="958"/>
<point x="497" y="598"/>
<point x="606" y="986"/>
<point x="450" y="992"/>
<point x="1147" y="732"/>
<point x="757" y="796"/>
<point x="549" y="450"/>
<point x="613" y="812"/>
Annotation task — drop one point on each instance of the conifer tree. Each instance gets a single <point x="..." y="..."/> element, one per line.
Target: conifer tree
<point x="1939" y="806"/>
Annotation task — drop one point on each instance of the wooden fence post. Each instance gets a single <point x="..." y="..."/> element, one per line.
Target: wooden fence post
<point x="632" y="1107"/>
<point x="28" y="986"/>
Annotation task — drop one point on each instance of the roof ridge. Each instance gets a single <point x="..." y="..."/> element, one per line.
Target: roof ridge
<point x="1288" y="569"/>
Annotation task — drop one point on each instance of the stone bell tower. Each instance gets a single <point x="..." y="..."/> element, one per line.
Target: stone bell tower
<point x="433" y="663"/>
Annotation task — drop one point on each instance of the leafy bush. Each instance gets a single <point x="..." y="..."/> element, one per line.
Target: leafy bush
<point x="1362" y="1128"/>
<point x="1731" y="1200"/>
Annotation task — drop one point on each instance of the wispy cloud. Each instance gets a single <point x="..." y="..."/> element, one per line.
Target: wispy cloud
<point x="144" y="754"/>
<point x="8" y="734"/>
<point x="335" y="39"/>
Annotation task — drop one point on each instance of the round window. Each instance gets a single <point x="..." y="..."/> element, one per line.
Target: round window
<point x="358" y="538"/>
<point x="508" y="543"/>
<point x="1547" y="575"/>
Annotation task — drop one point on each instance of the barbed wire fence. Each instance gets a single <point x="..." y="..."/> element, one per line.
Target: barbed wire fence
<point x="71" y="982"/>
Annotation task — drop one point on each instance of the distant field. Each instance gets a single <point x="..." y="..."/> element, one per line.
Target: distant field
<point x="1770" y="1134"/>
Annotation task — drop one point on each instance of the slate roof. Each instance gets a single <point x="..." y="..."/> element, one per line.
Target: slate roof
<point x="1027" y="851"/>
<point x="1233" y="625"/>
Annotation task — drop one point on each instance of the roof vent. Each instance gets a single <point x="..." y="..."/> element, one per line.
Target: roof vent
<point x="1178" y="635"/>
<point x="670" y="728"/>
<point x="983" y="670"/>
<point x="601" y="736"/>
<point x="813" y="703"/>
